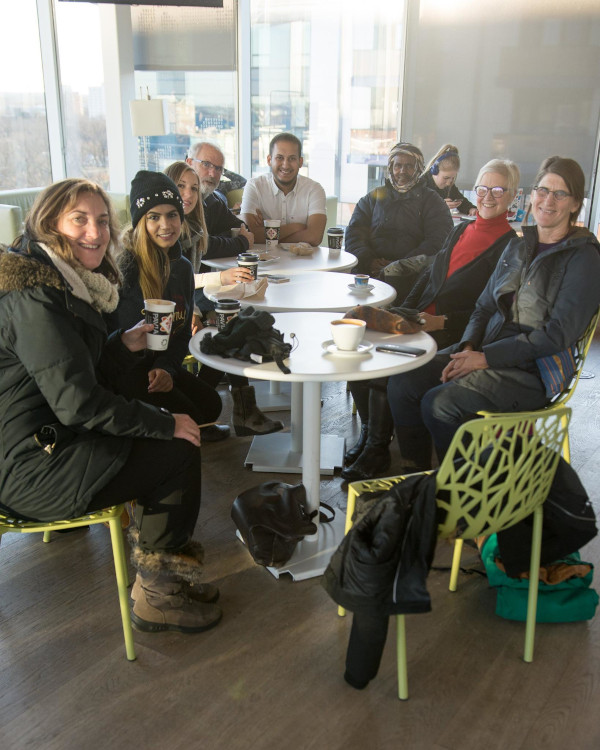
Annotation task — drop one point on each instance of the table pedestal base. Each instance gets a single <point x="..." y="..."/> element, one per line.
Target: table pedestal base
<point x="275" y="453"/>
<point x="273" y="395"/>
<point x="311" y="557"/>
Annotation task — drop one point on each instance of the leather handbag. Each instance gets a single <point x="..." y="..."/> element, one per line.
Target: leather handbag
<point x="272" y="518"/>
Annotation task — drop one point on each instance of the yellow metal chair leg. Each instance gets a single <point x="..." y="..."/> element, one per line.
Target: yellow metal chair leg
<point x="401" y="656"/>
<point x="351" y="505"/>
<point x="458" y="545"/>
<point x="46" y="537"/>
<point x="116" y="537"/>
<point x="534" y="580"/>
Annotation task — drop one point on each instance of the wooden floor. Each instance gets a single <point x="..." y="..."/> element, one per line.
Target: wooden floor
<point x="270" y="675"/>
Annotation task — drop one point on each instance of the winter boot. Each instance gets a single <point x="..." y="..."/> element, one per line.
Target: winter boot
<point x="201" y="592"/>
<point x="415" y="448"/>
<point x="248" y="419"/>
<point x="360" y="393"/>
<point x="214" y="432"/>
<point x="162" y="605"/>
<point x="375" y="459"/>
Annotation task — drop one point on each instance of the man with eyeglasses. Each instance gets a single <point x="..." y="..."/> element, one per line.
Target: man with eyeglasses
<point x="284" y="194"/>
<point x="207" y="161"/>
<point x="401" y="219"/>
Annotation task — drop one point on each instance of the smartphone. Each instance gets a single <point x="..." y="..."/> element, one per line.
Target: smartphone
<point x="408" y="351"/>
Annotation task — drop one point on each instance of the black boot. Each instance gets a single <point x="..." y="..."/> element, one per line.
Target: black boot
<point x="375" y="459"/>
<point x="360" y="393"/>
<point x="415" y="448"/>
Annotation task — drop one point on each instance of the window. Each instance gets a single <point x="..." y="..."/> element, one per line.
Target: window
<point x="24" y="149"/>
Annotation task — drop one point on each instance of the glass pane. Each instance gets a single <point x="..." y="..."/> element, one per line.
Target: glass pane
<point x="188" y="57"/>
<point x="520" y="83"/>
<point x="82" y="83"/>
<point x="24" y="150"/>
<point x="331" y="74"/>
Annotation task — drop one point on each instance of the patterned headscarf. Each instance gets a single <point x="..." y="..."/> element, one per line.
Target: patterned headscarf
<point x="415" y="153"/>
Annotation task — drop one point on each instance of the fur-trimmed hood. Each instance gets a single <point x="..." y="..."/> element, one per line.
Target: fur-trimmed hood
<point x="20" y="270"/>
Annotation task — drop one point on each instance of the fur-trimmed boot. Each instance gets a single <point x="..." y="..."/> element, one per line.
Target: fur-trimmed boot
<point x="375" y="459"/>
<point x="193" y="552"/>
<point x="160" y="592"/>
<point x="248" y="419"/>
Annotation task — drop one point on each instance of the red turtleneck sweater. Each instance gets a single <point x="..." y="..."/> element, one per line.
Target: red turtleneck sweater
<point x="473" y="241"/>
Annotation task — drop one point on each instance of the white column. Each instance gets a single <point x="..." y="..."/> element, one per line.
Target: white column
<point x="244" y="121"/>
<point x="119" y="87"/>
<point x="51" y="72"/>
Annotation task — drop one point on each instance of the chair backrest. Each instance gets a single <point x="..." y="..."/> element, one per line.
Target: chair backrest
<point x="581" y="348"/>
<point x="498" y="470"/>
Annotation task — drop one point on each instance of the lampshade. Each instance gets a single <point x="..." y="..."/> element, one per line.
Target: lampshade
<point x="149" y="117"/>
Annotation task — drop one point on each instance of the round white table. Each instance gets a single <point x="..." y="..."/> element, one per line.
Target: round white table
<point x="288" y="263"/>
<point x="304" y="446"/>
<point x="318" y="291"/>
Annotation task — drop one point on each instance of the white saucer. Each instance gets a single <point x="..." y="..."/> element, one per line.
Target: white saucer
<point x="331" y="348"/>
<point x="362" y="289"/>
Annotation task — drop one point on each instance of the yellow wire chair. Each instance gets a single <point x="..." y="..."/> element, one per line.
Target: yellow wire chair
<point x="581" y="349"/>
<point x="496" y="472"/>
<point x="109" y="516"/>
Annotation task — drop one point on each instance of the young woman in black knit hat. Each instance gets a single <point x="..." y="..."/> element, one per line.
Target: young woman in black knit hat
<point x="153" y="266"/>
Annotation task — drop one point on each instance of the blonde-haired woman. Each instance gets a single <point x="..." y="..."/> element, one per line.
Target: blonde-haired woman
<point x="153" y="267"/>
<point x="70" y="444"/>
<point x="248" y="419"/>
<point x="440" y="175"/>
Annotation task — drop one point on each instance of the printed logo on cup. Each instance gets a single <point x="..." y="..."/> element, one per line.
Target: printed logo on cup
<point x="335" y="238"/>
<point x="272" y="227"/>
<point x="226" y="309"/>
<point x="249" y="261"/>
<point x="158" y="312"/>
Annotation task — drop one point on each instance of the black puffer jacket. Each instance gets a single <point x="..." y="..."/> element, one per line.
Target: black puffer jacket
<point x="392" y="225"/>
<point x="63" y="433"/>
<point x="382" y="564"/>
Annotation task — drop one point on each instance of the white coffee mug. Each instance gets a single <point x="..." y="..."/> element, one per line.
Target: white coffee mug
<point x="159" y="312"/>
<point x="347" y="333"/>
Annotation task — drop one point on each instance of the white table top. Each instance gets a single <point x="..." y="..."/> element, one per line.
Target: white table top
<point x="318" y="291"/>
<point x="310" y="362"/>
<point x="288" y="263"/>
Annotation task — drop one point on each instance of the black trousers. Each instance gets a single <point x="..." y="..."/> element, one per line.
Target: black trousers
<point x="190" y="394"/>
<point x="164" y="477"/>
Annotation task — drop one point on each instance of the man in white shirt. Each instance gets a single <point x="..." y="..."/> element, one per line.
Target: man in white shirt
<point x="284" y="194"/>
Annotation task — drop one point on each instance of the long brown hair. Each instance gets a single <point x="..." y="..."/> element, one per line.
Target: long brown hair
<point x="153" y="263"/>
<point x="175" y="171"/>
<point x="57" y="199"/>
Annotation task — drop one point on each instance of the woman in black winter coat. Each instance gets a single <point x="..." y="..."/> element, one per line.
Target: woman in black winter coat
<point x="69" y="443"/>
<point x="445" y="295"/>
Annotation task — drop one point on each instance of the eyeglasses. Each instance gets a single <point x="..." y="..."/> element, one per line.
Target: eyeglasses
<point x="497" y="192"/>
<point x="209" y="165"/>
<point x="559" y="195"/>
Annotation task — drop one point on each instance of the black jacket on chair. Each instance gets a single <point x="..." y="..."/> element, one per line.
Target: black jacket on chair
<point x="382" y="564"/>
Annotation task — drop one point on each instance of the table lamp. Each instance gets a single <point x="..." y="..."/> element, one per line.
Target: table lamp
<point x="148" y="117"/>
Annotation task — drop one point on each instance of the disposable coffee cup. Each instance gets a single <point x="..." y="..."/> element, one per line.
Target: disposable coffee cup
<point x="361" y="279"/>
<point x="235" y="232"/>
<point x="347" y="333"/>
<point x="159" y="312"/>
<point x="226" y="309"/>
<point x="272" y="227"/>
<point x="249" y="261"/>
<point x="335" y="238"/>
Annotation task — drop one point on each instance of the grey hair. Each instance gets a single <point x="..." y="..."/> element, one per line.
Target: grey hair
<point x="506" y="168"/>
<point x="197" y="147"/>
